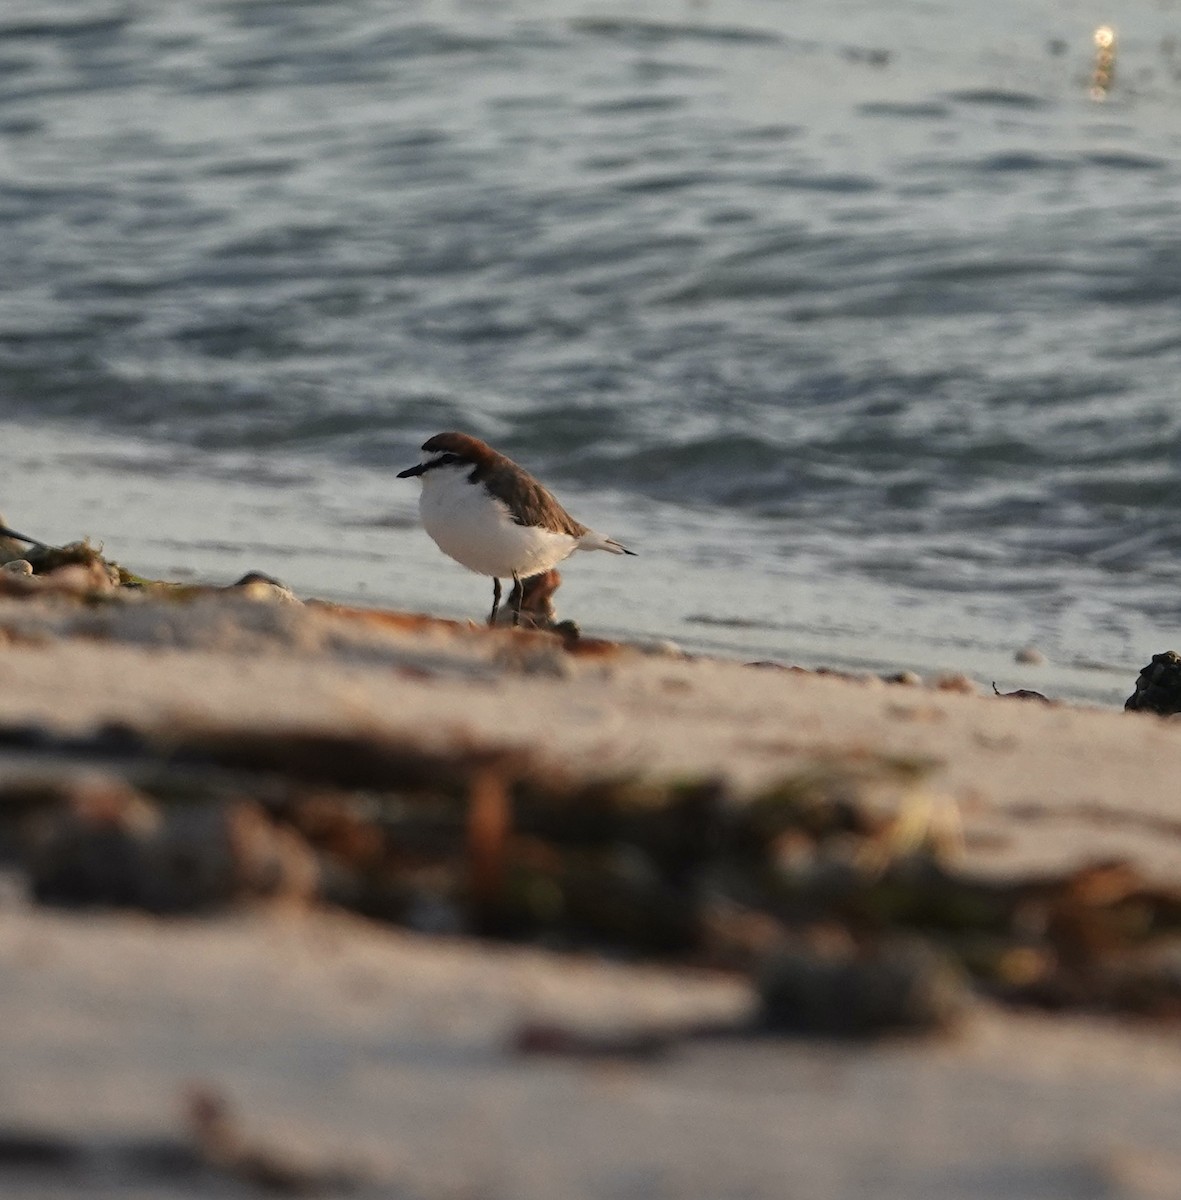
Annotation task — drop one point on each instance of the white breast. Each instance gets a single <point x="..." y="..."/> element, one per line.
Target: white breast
<point x="476" y="530"/>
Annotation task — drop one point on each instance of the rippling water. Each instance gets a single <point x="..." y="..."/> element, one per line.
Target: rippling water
<point x="860" y="319"/>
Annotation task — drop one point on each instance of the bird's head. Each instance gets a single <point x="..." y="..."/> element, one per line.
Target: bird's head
<point x="451" y="450"/>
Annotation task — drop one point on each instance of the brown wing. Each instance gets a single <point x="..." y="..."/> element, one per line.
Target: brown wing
<point x="527" y="500"/>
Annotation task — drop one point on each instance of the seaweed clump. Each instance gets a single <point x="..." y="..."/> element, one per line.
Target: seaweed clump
<point x="78" y="568"/>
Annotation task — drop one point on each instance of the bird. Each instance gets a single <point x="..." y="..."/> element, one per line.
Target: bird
<point x="493" y="517"/>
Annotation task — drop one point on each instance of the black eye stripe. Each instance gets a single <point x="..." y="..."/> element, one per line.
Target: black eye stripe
<point x="445" y="460"/>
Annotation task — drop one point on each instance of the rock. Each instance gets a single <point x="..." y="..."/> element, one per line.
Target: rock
<point x="1031" y="656"/>
<point x="955" y="682"/>
<point x="904" y="678"/>
<point x="1158" y="687"/>
<point x="254" y="585"/>
<point x="893" y="987"/>
<point x="17" y="566"/>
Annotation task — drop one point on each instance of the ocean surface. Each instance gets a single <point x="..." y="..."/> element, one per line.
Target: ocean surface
<point x="859" y="320"/>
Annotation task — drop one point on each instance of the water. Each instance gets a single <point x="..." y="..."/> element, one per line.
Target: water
<point x="860" y="320"/>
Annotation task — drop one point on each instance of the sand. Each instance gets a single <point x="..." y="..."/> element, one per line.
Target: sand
<point x="388" y="1057"/>
<point x="1035" y="786"/>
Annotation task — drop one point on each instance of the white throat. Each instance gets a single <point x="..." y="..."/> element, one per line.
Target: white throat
<point x="478" y="531"/>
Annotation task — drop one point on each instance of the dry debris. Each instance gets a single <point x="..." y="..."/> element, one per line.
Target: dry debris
<point x="837" y="891"/>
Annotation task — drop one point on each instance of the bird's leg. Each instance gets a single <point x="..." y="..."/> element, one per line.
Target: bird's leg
<point x="495" y="601"/>
<point x="520" y="594"/>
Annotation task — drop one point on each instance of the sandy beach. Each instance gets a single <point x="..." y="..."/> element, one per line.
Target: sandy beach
<point x="809" y="852"/>
<point x="344" y="1055"/>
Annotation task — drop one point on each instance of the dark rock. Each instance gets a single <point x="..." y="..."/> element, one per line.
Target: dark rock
<point x="1158" y="688"/>
<point x="258" y="577"/>
<point x="904" y="678"/>
<point x="892" y="987"/>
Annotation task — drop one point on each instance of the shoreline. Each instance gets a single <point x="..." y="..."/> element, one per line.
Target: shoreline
<point x="347" y="534"/>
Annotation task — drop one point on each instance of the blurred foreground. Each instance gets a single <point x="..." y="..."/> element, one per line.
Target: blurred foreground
<point x="870" y="938"/>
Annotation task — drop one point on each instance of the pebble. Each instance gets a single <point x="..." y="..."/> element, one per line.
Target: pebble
<point x="904" y="678"/>
<point x="955" y="682"/>
<point x="1031" y="656"/>
<point x="254" y="585"/>
<point x="17" y="566"/>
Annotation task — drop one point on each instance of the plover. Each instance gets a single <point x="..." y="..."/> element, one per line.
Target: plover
<point x="492" y="516"/>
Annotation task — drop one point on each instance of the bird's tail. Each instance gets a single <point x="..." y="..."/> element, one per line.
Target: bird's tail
<point x="596" y="541"/>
